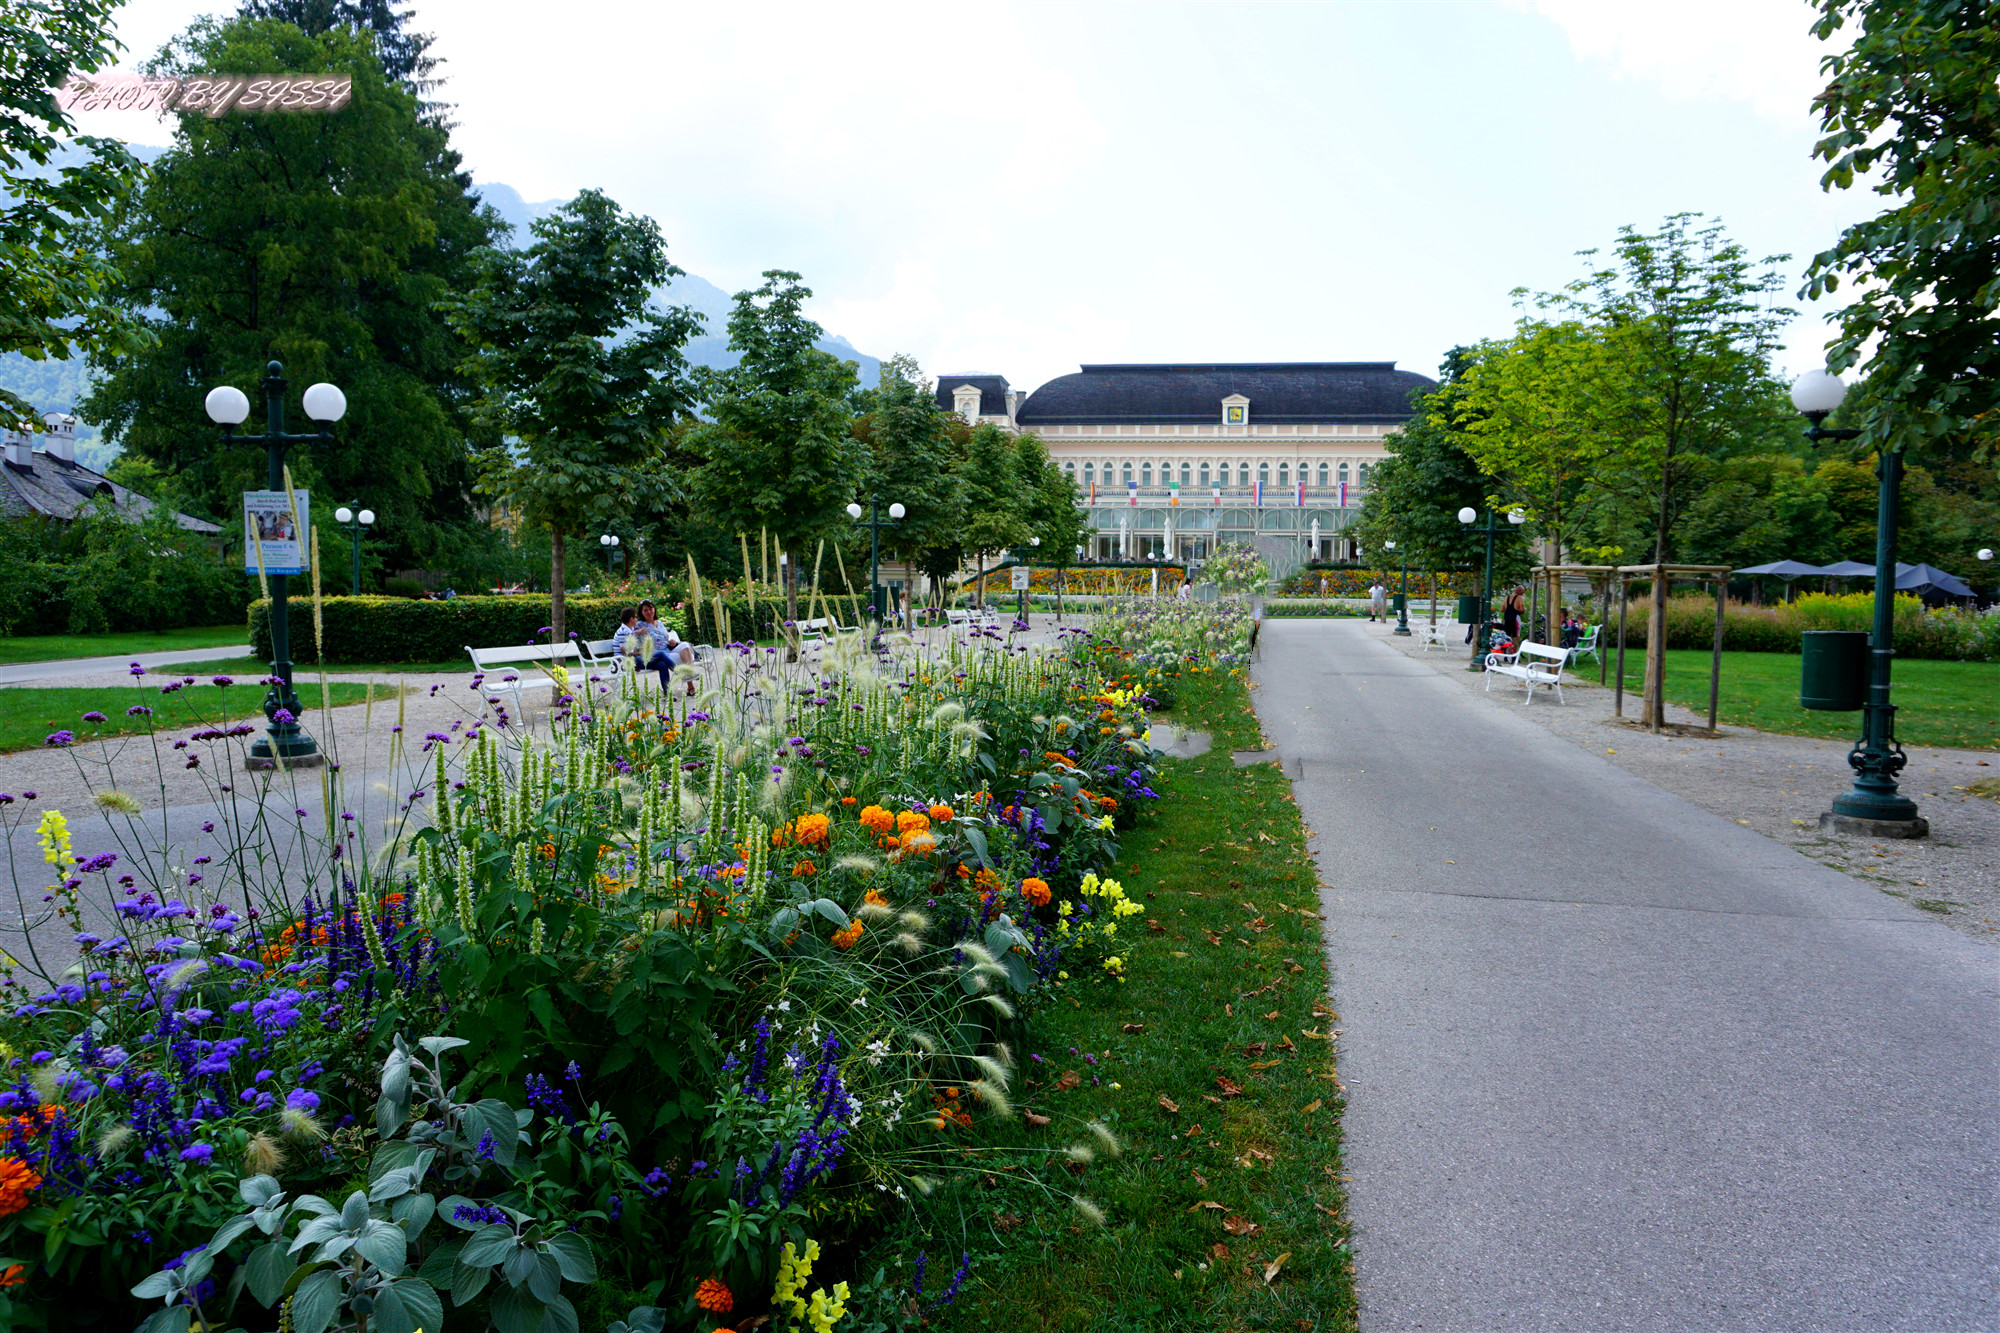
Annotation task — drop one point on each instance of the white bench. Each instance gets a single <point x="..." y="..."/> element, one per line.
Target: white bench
<point x="603" y="653"/>
<point x="488" y="660"/>
<point x="1431" y="636"/>
<point x="1586" y="644"/>
<point x="1532" y="664"/>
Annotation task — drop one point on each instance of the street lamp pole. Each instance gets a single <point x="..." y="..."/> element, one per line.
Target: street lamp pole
<point x="1021" y="554"/>
<point x="1484" y="611"/>
<point x="229" y="407"/>
<point x="1403" y="607"/>
<point x="1872" y="806"/>
<point x="609" y="541"/>
<point x="354" y="523"/>
<point x="875" y="524"/>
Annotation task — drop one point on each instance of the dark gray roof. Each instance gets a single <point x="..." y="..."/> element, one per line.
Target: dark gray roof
<point x="54" y="488"/>
<point x="1280" y="392"/>
<point x="992" y="392"/>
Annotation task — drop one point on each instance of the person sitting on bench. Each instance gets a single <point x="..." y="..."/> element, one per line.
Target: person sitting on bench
<point x="668" y="650"/>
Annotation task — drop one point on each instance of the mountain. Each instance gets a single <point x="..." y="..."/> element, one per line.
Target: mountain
<point x="712" y="348"/>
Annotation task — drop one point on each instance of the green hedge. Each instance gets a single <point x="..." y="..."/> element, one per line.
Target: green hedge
<point x="400" y="629"/>
<point x="1944" y="634"/>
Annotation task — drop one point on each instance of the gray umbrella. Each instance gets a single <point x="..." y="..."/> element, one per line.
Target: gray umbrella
<point x="1924" y="578"/>
<point x="1784" y="569"/>
<point x="1850" y="569"/>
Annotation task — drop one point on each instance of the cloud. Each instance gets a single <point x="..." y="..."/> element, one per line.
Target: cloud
<point x="1760" y="52"/>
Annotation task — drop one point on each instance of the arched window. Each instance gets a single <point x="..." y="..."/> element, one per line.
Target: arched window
<point x="1069" y="470"/>
<point x="1243" y="475"/>
<point x="1343" y="474"/>
<point x="1322" y="476"/>
<point x="1187" y="476"/>
<point x="1089" y="474"/>
<point x="1364" y="474"/>
<point x="1264" y="473"/>
<point x="1284" y="476"/>
<point x="1128" y="474"/>
<point x="1204" y="473"/>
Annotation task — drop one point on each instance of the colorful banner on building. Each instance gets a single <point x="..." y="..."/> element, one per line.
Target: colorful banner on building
<point x="283" y="532"/>
<point x="1132" y="493"/>
<point x="1257" y="493"/>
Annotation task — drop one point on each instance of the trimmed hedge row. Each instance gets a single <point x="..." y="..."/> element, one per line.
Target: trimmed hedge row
<point x="400" y="629"/>
<point x="1946" y="634"/>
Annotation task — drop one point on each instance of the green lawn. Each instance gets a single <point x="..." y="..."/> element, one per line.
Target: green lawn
<point x="29" y="716"/>
<point x="1953" y="704"/>
<point x="238" y="666"/>
<point x="53" y="647"/>
<point x="1211" y="1064"/>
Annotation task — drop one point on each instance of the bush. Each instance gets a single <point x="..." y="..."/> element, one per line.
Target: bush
<point x="402" y="588"/>
<point x="102" y="572"/>
<point x="1946" y="634"/>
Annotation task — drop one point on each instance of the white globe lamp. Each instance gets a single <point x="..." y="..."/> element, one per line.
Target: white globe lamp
<point x="324" y="402"/>
<point x="1817" y="392"/>
<point x="227" y="405"/>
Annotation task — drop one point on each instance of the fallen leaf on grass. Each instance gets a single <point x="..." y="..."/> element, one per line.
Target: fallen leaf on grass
<point x="1254" y="1049"/>
<point x="1217" y="1100"/>
<point x="1311" y="1106"/>
<point x="1200" y="1179"/>
<point x="1259" y="926"/>
<point x="1229" y="1086"/>
<point x="1218" y="1251"/>
<point x="1155" y="926"/>
<point x="1168" y="1105"/>
<point x="1213" y="938"/>
<point x="1273" y="1014"/>
<point x="1238" y="1225"/>
<point x="1227" y="1010"/>
<point x="1259" y="1154"/>
<point x="1271" y="1269"/>
<point x="1285" y="1043"/>
<point x="1133" y="1029"/>
<point x="1265" y="1064"/>
<point x="1316" y="1036"/>
<point x="1209" y="1203"/>
<point x="1324" y="1209"/>
<point x="1035" y="1121"/>
<point x="1263" y="836"/>
<point x="1005" y="1222"/>
<point x="1070" y="1079"/>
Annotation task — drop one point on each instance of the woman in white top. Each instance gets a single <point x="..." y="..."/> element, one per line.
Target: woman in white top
<point x="668" y="650"/>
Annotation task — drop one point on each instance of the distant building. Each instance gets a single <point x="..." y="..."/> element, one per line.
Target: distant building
<point x="50" y="483"/>
<point x="1172" y="459"/>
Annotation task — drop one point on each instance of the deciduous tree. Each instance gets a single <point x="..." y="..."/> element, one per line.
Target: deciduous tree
<point x="583" y="375"/>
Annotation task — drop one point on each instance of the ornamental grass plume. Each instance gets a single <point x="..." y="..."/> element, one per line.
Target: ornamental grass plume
<point x="117" y="802"/>
<point x="1105" y="1138"/>
<point x="299" y="1126"/>
<point x="996" y="1100"/>
<point x="1091" y="1212"/>
<point x="263" y="1155"/>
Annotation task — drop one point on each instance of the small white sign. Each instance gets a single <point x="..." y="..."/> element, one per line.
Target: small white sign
<point x="1021" y="573"/>
<point x="284" y="533"/>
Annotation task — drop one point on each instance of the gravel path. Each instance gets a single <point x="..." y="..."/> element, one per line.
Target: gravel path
<point x="1614" y="1061"/>
<point x="1778" y="786"/>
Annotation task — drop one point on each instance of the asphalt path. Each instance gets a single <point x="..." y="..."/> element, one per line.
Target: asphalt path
<point x="1615" y="1062"/>
<point x="12" y="673"/>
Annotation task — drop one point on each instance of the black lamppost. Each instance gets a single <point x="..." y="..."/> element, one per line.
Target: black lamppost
<point x="875" y="524"/>
<point x="609" y="541"/>
<point x="1872" y="806"/>
<point x="1021" y="555"/>
<point x="1483" y="613"/>
<point x="354" y="523"/>
<point x="1403" y="607"/>
<point x="229" y="407"/>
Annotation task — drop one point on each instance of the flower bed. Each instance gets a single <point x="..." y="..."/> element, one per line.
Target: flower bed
<point x="648" y="1024"/>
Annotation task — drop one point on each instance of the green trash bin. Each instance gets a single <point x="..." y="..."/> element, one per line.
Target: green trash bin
<point x="1833" y="670"/>
<point x="1468" y="610"/>
<point x="1396" y="603"/>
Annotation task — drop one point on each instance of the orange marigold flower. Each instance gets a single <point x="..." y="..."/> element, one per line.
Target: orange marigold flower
<point x="17" y="1182"/>
<point x="963" y="873"/>
<point x="909" y="821"/>
<point x="891" y="844"/>
<point x="814" y="830"/>
<point x="919" y="844"/>
<point x="1107" y="802"/>
<point x="845" y="938"/>
<point x="986" y="879"/>
<point x="942" y="814"/>
<point x="877" y="819"/>
<point x="714" y="1296"/>
<point x="805" y="868"/>
<point x="1035" y="891"/>
<point x="847" y="800"/>
<point x="548" y="851"/>
<point x="876" y="897"/>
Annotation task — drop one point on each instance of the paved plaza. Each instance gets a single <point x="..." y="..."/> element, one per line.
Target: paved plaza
<point x="1615" y="1061"/>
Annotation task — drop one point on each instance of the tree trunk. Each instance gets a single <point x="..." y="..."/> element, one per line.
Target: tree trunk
<point x="1656" y="654"/>
<point x="556" y="577"/>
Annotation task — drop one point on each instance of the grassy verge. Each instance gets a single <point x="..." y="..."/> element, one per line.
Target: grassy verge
<point x="29" y="716"/>
<point x="1212" y="1065"/>
<point x="237" y="666"/>
<point x="55" y="647"/>
<point x="1954" y="704"/>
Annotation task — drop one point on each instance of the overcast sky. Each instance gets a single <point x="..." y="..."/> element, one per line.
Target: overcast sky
<point x="1019" y="188"/>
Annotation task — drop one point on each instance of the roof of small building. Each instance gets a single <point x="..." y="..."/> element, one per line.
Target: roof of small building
<point x="58" y="488"/>
<point x="1280" y="392"/>
<point x="992" y="393"/>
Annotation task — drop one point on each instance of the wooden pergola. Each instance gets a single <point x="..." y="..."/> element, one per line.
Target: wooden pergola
<point x="1656" y="628"/>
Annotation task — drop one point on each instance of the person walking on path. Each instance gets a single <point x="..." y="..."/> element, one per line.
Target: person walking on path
<point x="1378" y="602"/>
<point x="1510" y="615"/>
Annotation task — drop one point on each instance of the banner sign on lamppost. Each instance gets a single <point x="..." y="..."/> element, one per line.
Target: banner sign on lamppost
<point x="270" y="521"/>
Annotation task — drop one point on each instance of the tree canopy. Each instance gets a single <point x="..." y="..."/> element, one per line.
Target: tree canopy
<point x="1913" y="98"/>
<point x="58" y="284"/>
<point x="324" y="242"/>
